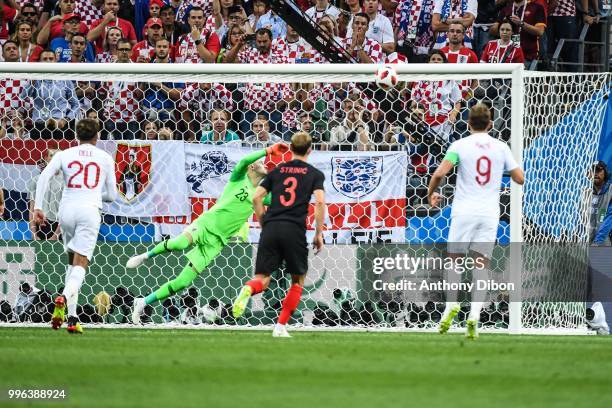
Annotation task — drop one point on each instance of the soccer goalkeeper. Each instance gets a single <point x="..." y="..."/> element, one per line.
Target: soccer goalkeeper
<point x="209" y="233"/>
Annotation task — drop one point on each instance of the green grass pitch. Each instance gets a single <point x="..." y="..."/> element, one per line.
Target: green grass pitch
<point x="203" y="368"/>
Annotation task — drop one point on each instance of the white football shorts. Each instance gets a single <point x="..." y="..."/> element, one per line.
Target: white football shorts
<point x="472" y="233"/>
<point x="80" y="227"/>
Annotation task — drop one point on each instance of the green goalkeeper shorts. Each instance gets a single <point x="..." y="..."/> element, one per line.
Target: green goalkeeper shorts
<point x="206" y="246"/>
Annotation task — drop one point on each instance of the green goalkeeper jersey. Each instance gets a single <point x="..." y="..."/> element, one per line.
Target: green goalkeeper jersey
<point x="226" y="218"/>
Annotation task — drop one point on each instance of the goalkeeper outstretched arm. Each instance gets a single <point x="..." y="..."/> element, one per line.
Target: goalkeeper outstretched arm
<point x="243" y="165"/>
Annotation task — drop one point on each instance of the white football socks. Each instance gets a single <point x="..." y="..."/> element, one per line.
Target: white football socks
<point x="73" y="287"/>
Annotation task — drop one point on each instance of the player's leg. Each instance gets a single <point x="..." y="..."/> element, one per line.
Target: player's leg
<point x="199" y="257"/>
<point x="59" y="310"/>
<point x="295" y="249"/>
<point x="80" y="247"/>
<point x="72" y="290"/>
<point x="68" y="227"/>
<point x="458" y="244"/>
<point x="481" y="250"/>
<point x="178" y="243"/>
<point x="268" y="260"/>
<point x="289" y="305"/>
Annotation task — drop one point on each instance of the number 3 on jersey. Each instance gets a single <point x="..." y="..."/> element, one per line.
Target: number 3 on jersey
<point x="291" y="185"/>
<point x="90" y="172"/>
<point x="483" y="168"/>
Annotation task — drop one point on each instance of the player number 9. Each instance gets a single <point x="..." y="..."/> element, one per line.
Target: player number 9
<point x="483" y="168"/>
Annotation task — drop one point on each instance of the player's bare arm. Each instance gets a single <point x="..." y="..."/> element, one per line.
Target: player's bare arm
<point x="319" y="214"/>
<point x="258" y="205"/>
<point x="436" y="179"/>
<point x="518" y="176"/>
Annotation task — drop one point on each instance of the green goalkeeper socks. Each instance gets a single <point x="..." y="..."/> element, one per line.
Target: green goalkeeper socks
<point x="185" y="278"/>
<point x="178" y="243"/>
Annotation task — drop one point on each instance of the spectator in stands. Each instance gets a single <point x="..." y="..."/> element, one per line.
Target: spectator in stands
<point x="2" y="206"/>
<point x="10" y="51"/>
<point x="28" y="50"/>
<point x="457" y="53"/>
<point x="49" y="230"/>
<point x="530" y="19"/>
<point x="352" y="133"/>
<point x="199" y="45"/>
<point x="56" y="26"/>
<point x="11" y="123"/>
<point x="503" y="50"/>
<point x="379" y="27"/>
<point x="261" y="136"/>
<point x="600" y="231"/>
<point x="197" y="100"/>
<point x="233" y="37"/>
<point x="237" y="16"/>
<point x="160" y="98"/>
<point x="29" y="12"/>
<point x="62" y="46"/>
<point x="363" y="49"/>
<point x="152" y="131"/>
<point x="121" y="102"/>
<point x="295" y="47"/>
<point x="220" y="134"/>
<point x="272" y="22"/>
<point x="562" y="23"/>
<point x="260" y="7"/>
<point x="219" y="20"/>
<point x="266" y="97"/>
<point x="437" y="103"/>
<point x="81" y="50"/>
<point x="7" y="16"/>
<point x="485" y="18"/>
<point x="447" y="12"/>
<point x="306" y="123"/>
<point x="414" y="29"/>
<point x="111" y="40"/>
<point x="55" y="105"/>
<point x="181" y="9"/>
<point x="162" y="51"/>
<point x="144" y="51"/>
<point x="172" y="29"/>
<point x="322" y="8"/>
<point x="110" y="19"/>
<point x="155" y="7"/>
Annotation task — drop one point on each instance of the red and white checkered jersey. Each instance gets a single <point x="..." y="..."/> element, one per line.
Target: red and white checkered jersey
<point x="10" y="90"/>
<point x="121" y="103"/>
<point x="463" y="56"/>
<point x="37" y="3"/>
<point x="186" y="51"/>
<point x="143" y="48"/>
<point x="290" y="115"/>
<point x="565" y="8"/>
<point x="263" y="96"/>
<point x="437" y="97"/>
<point x="105" y="56"/>
<point x="88" y="11"/>
<point x="201" y="101"/>
<point x="396" y="58"/>
<point x="371" y="47"/>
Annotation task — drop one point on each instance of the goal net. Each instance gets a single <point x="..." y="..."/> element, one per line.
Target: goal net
<point x="176" y="132"/>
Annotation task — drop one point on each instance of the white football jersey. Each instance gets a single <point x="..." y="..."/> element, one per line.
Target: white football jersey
<point x="89" y="177"/>
<point x="481" y="162"/>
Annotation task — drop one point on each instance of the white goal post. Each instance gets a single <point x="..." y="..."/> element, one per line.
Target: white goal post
<point x="545" y="113"/>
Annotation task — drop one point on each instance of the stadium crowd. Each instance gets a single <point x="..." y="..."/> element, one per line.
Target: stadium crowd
<point x="423" y="118"/>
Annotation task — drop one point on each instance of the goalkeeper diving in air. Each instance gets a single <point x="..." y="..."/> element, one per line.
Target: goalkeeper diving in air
<point x="211" y="231"/>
